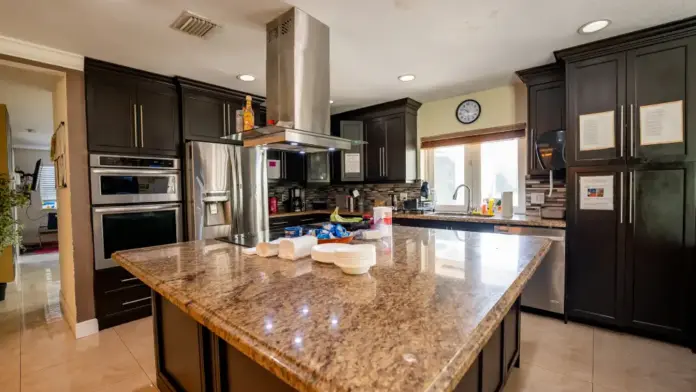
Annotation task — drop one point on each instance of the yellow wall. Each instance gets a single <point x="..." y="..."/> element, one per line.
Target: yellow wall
<point x="505" y="105"/>
<point x="7" y="270"/>
<point x="65" y="240"/>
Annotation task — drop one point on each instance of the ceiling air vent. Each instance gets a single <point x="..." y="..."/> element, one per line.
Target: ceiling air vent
<point x="193" y="24"/>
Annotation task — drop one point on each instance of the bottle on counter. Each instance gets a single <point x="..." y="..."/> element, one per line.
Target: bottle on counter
<point x="248" y="115"/>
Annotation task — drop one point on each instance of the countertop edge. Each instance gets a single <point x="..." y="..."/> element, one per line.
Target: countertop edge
<point x="448" y="379"/>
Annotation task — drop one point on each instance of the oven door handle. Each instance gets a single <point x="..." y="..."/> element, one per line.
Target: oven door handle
<point x="140" y="208"/>
<point x="136" y="171"/>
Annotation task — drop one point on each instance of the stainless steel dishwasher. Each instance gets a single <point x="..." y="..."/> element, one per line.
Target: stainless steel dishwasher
<point x="546" y="289"/>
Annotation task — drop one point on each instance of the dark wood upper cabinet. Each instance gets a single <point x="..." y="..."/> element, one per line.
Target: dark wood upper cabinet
<point x="596" y="85"/>
<point x="352" y="130"/>
<point x="130" y="111"/>
<point x="292" y="166"/>
<point x="390" y="154"/>
<point x="659" y="74"/>
<point x="660" y="243"/>
<point x="545" y="107"/>
<point x="158" y="112"/>
<point x="595" y="250"/>
<point x="111" y="105"/>
<point x="209" y="112"/>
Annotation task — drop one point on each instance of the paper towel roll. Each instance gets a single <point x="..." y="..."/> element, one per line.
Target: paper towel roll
<point x="507" y="205"/>
<point x="296" y="248"/>
<point x="267" y="249"/>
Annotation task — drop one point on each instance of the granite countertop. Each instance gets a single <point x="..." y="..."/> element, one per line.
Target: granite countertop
<point x="415" y="322"/>
<point x="516" y="220"/>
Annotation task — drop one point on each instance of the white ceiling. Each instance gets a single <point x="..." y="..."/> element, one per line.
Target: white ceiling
<point x="452" y="46"/>
<point x="28" y="95"/>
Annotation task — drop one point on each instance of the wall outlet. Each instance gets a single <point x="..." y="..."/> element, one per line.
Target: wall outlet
<point x="538" y="198"/>
<point x="403" y="196"/>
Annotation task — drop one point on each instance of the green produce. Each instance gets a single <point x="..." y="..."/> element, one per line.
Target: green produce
<point x="337" y="218"/>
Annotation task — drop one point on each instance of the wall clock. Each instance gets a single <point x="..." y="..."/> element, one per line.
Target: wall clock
<point x="468" y="111"/>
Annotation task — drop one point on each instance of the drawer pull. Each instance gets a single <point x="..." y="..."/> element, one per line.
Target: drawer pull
<point x="128" y="280"/>
<point x="279" y="223"/>
<point x="136" y="301"/>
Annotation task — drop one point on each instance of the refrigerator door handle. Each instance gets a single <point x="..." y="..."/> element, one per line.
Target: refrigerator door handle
<point x="621" y="138"/>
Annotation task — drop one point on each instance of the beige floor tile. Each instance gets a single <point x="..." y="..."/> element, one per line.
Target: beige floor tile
<point x="630" y="363"/>
<point x="139" y="383"/>
<point x="558" y="347"/>
<point x="530" y="378"/>
<point x="138" y="338"/>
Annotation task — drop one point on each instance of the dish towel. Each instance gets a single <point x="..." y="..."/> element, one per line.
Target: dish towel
<point x="296" y="248"/>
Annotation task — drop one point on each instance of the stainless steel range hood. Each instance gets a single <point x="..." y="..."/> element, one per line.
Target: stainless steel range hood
<point x="297" y="87"/>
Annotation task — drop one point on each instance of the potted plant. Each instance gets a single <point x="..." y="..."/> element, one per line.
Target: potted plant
<point x="10" y="229"/>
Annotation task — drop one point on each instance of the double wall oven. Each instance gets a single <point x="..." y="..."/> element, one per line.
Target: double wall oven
<point x="136" y="202"/>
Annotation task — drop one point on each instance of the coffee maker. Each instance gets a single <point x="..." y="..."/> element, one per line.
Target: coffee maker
<point x="295" y="202"/>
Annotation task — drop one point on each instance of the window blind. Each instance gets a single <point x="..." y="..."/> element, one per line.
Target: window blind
<point x="47" y="183"/>
<point x="505" y="132"/>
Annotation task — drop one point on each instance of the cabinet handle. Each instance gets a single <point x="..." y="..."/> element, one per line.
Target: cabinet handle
<point x="631" y="196"/>
<point x="621" y="197"/>
<point x="135" y="125"/>
<point x="384" y="156"/>
<point x="224" y="119"/>
<point x="142" y="138"/>
<point x="135" y="301"/>
<point x="128" y="280"/>
<point x="633" y="145"/>
<point x="623" y="125"/>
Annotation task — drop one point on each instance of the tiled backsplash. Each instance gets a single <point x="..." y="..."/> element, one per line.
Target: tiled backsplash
<point x="540" y="184"/>
<point x="369" y="193"/>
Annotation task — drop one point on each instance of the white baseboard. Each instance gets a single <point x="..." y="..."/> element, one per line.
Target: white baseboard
<point x="86" y="328"/>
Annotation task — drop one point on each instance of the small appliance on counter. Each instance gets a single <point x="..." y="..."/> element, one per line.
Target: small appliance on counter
<point x="320" y="205"/>
<point x="295" y="202"/>
<point x="417" y="205"/>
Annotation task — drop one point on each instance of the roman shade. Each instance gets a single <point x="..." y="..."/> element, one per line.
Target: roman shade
<point x="482" y="135"/>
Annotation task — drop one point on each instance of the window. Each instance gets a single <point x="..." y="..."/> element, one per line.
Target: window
<point x="488" y="168"/>
<point x="47" y="187"/>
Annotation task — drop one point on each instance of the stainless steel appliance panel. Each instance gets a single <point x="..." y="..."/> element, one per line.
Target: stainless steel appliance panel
<point x="227" y="190"/>
<point x="130" y="186"/>
<point x="546" y="289"/>
<point x="131" y="227"/>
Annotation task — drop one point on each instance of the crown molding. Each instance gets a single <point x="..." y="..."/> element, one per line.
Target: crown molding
<point x="43" y="54"/>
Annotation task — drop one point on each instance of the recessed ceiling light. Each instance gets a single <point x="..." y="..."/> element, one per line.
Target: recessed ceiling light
<point x="594" y="26"/>
<point x="330" y="101"/>
<point x="407" y="77"/>
<point x="246" y="78"/>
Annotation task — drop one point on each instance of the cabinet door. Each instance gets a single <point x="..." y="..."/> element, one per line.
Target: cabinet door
<point x="596" y="86"/>
<point x="660" y="240"/>
<point x="294" y="166"/>
<point x="375" y="136"/>
<point x="546" y="113"/>
<point x="595" y="248"/>
<point x="352" y="130"/>
<point x="158" y="112"/>
<point x="659" y="74"/>
<point x="111" y="112"/>
<point x="205" y="116"/>
<point x="395" y="148"/>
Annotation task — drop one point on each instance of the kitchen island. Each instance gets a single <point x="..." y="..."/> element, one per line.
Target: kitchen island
<point x="439" y="312"/>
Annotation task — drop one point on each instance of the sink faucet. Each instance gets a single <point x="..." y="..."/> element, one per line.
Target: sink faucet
<point x="454" y="196"/>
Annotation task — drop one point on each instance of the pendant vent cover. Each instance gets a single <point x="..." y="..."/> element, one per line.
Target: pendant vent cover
<point x="194" y="25"/>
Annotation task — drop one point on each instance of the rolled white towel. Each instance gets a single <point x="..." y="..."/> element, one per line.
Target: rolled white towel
<point x="296" y="248"/>
<point x="267" y="249"/>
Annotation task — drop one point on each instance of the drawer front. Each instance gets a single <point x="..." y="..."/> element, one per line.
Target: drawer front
<point x="123" y="300"/>
<point x="115" y="278"/>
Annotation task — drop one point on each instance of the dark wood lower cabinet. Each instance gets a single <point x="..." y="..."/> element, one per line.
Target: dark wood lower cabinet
<point x="190" y="358"/>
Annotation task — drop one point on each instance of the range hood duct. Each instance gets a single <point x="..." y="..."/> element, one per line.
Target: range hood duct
<point x="297" y="87"/>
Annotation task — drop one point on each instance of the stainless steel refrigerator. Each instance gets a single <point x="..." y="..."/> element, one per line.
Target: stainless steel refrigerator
<point x="227" y="190"/>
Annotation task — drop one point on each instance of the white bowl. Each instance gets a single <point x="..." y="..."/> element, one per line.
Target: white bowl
<point x="356" y="255"/>
<point x="324" y="253"/>
<point x="354" y="269"/>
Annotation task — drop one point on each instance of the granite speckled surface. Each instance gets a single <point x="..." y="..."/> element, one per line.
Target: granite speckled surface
<point x="516" y="220"/>
<point x="415" y="322"/>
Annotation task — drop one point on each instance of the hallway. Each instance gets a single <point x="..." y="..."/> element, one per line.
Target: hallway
<point x="40" y="353"/>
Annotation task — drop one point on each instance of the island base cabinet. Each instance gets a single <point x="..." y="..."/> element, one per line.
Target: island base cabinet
<point x="190" y="358"/>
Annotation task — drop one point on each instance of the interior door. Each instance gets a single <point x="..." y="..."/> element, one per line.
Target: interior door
<point x="660" y="242"/>
<point x="205" y="116"/>
<point x="375" y="136"/>
<point x="597" y="86"/>
<point x="657" y="75"/>
<point x="546" y="113"/>
<point x="595" y="247"/>
<point x="111" y="112"/>
<point x="158" y="111"/>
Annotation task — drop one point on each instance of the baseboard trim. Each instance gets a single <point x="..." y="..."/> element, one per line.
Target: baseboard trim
<point x="86" y="328"/>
